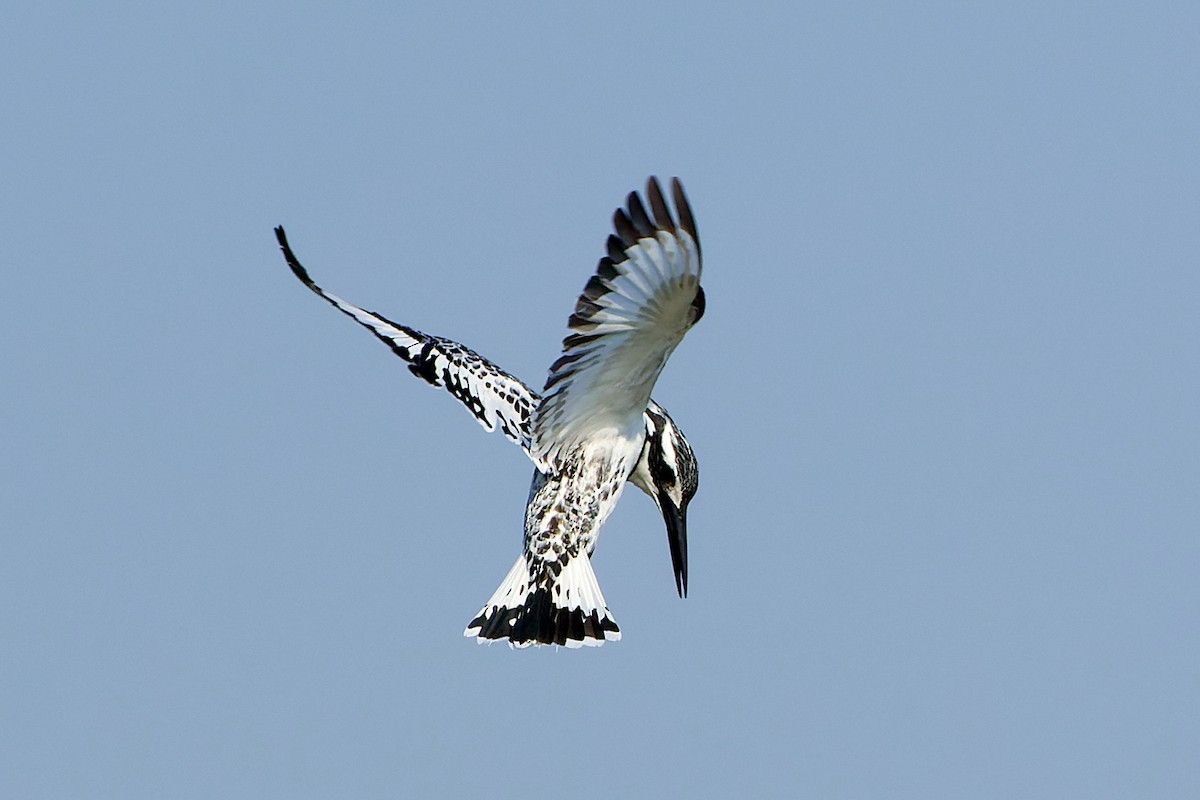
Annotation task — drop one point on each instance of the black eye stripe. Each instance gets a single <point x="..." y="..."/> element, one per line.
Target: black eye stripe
<point x="660" y="470"/>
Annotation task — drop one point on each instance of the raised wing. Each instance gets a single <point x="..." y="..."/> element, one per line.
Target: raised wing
<point x="495" y="398"/>
<point x="632" y="314"/>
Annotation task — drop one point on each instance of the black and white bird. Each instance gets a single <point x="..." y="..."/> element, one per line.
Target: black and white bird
<point x="595" y="426"/>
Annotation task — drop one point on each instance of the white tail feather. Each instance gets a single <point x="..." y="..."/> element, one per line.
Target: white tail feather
<point x="567" y="609"/>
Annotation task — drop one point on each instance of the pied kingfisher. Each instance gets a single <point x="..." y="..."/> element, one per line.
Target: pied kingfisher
<point x="595" y="426"/>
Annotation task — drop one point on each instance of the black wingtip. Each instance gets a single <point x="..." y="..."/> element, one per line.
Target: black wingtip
<point x="293" y="262"/>
<point x="633" y="222"/>
<point x="639" y="217"/>
<point x="684" y="209"/>
<point x="624" y="228"/>
<point x="658" y="205"/>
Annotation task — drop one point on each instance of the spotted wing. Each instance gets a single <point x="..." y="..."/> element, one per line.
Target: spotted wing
<point x="632" y="314"/>
<point x="495" y="398"/>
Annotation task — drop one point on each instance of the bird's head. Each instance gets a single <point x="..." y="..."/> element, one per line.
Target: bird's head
<point x="668" y="472"/>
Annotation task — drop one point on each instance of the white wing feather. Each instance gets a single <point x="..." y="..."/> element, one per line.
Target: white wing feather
<point x="493" y="396"/>
<point x="632" y="314"/>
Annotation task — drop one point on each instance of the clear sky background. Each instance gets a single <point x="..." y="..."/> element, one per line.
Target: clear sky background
<point x="944" y="398"/>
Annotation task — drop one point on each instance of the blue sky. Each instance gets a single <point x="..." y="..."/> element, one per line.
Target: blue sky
<point x="944" y="399"/>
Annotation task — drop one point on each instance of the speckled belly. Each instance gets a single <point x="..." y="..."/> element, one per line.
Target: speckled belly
<point x="566" y="510"/>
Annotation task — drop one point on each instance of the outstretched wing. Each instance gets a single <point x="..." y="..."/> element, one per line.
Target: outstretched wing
<point x="495" y="398"/>
<point x="632" y="314"/>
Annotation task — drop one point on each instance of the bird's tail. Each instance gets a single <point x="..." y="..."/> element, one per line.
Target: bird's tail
<point x="564" y="609"/>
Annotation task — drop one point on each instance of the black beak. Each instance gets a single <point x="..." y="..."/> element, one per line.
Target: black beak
<point x="676" y="519"/>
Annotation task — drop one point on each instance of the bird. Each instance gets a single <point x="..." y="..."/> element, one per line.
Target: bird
<point x="593" y="428"/>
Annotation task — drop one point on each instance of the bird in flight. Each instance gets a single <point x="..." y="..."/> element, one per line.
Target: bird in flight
<point x="593" y="428"/>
